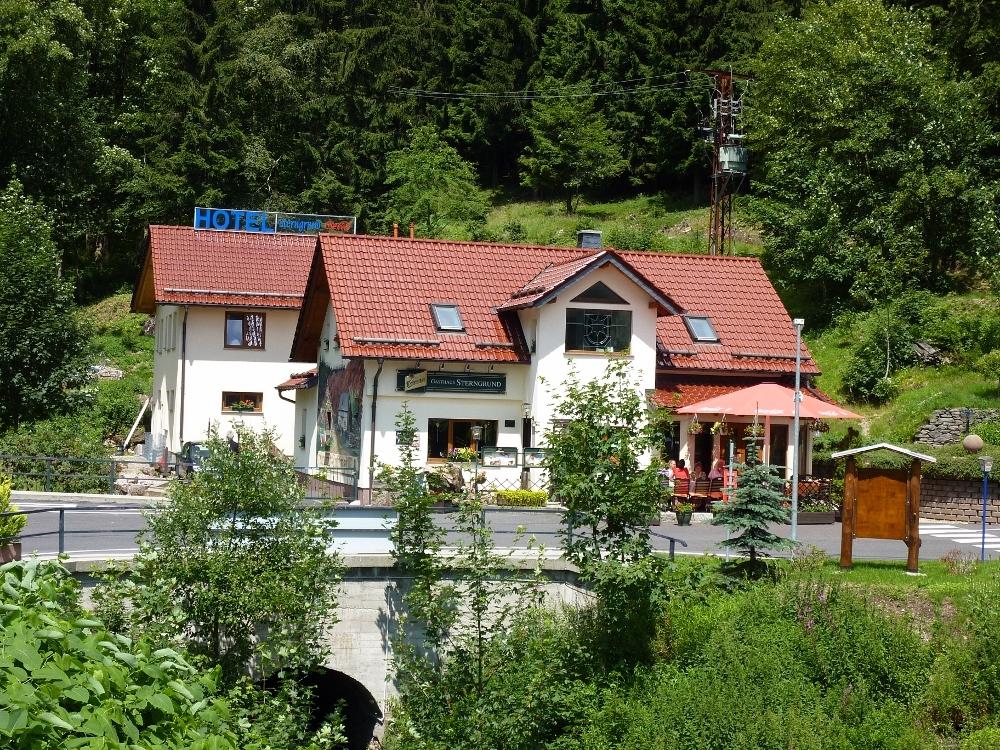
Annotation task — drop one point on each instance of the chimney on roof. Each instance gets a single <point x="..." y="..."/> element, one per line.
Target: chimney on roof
<point x="589" y="238"/>
<point x="395" y="229"/>
<point x="412" y="231"/>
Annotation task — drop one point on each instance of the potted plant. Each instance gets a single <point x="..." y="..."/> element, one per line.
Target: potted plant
<point x="683" y="511"/>
<point x="462" y="455"/>
<point x="10" y="526"/>
<point x="695" y="427"/>
<point x="243" y="406"/>
<point x="820" y="425"/>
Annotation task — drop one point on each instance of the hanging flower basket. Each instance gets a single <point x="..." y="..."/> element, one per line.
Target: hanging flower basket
<point x="754" y="431"/>
<point x="820" y="426"/>
<point x="695" y="428"/>
<point x="722" y="428"/>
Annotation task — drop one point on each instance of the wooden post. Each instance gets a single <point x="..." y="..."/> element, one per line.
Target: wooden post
<point x="847" y="513"/>
<point x="913" y="517"/>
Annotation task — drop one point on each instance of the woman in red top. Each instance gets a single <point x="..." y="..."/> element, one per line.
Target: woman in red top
<point x="681" y="471"/>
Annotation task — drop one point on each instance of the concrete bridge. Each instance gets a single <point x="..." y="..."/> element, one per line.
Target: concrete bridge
<point x="360" y="665"/>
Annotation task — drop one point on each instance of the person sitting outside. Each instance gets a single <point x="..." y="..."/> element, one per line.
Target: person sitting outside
<point x="718" y="470"/>
<point x="699" y="472"/>
<point x="681" y="471"/>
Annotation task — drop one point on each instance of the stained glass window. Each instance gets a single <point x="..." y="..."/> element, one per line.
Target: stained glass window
<point x="598" y="330"/>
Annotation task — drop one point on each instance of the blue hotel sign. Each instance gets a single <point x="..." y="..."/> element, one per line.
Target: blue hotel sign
<point x="271" y="222"/>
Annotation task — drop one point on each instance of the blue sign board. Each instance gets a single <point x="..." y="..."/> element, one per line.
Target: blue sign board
<point x="271" y="222"/>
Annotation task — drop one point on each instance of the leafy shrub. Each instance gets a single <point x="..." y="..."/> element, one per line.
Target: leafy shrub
<point x="544" y="685"/>
<point x="964" y="689"/>
<point x="959" y="325"/>
<point x="631" y="237"/>
<point x="521" y="498"/>
<point x="54" y="437"/>
<point x="988" y="431"/>
<point x="10" y="526"/>
<point x="983" y="739"/>
<point x="883" y="348"/>
<point x="773" y="667"/>
<point x="68" y="682"/>
<point x="989" y="364"/>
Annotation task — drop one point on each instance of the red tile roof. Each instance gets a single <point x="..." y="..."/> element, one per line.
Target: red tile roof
<point x="675" y="393"/>
<point x="300" y="380"/>
<point x="550" y="280"/>
<point x="755" y="332"/>
<point x="184" y="266"/>
<point x="381" y="289"/>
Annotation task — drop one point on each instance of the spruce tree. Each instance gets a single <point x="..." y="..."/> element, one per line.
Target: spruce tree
<point x="757" y="502"/>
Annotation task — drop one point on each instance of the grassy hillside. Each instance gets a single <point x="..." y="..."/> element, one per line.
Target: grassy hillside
<point x="657" y="222"/>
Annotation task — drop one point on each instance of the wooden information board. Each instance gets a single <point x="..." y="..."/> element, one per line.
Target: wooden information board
<point x="881" y="504"/>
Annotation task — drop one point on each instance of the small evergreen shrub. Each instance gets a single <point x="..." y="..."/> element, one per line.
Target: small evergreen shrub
<point x="521" y="498"/>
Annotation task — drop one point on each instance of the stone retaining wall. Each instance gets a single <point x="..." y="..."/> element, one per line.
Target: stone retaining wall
<point x="948" y="426"/>
<point x="958" y="500"/>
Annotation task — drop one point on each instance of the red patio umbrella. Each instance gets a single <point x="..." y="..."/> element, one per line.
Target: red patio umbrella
<point x="768" y="400"/>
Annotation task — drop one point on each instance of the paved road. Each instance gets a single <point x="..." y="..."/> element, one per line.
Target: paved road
<point x="101" y="533"/>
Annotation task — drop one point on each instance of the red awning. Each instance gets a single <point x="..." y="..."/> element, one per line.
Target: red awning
<point x="768" y="400"/>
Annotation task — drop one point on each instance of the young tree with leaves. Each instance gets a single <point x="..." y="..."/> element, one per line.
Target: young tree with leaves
<point x="229" y="555"/>
<point x="42" y="344"/>
<point x="757" y="503"/>
<point x="599" y="469"/>
<point x="433" y="185"/>
<point x="572" y="148"/>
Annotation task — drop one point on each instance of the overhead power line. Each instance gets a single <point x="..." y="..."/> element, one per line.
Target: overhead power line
<point x="568" y="91"/>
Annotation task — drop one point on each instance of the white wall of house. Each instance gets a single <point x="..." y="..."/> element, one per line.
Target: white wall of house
<point x="211" y="369"/>
<point x="552" y="364"/>
<point x="504" y="409"/>
<point x="164" y="412"/>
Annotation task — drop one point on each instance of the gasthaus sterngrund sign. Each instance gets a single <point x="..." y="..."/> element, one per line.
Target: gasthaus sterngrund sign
<point x="271" y="222"/>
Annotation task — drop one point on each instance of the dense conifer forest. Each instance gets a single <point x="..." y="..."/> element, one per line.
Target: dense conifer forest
<point x="118" y="113"/>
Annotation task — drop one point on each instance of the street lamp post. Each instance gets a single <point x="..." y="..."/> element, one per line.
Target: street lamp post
<point x="986" y="462"/>
<point x="477" y="434"/>
<point x="798" y="323"/>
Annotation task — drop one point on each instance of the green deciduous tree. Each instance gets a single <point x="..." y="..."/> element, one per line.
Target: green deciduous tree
<point x="41" y="342"/>
<point x="872" y="164"/>
<point x="757" y="503"/>
<point x="572" y="148"/>
<point x="432" y="185"/>
<point x="595" y="468"/>
<point x="232" y="556"/>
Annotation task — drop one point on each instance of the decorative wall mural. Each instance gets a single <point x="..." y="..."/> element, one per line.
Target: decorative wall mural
<point x="340" y="427"/>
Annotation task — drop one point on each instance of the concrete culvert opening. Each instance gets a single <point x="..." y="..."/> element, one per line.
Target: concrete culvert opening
<point x="358" y="706"/>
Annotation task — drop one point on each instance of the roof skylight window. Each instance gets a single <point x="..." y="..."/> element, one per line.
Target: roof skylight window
<point x="701" y="329"/>
<point x="447" y="317"/>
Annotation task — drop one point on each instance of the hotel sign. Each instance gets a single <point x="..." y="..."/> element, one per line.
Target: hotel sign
<point x="271" y="222"/>
<point x="454" y="382"/>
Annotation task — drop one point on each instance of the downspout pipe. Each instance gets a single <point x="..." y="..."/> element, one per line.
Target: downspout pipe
<point x="184" y="329"/>
<point x="371" y="457"/>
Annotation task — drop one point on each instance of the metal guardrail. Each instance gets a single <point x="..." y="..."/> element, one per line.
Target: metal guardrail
<point x="345" y="512"/>
<point x="61" y="529"/>
<point x="65" y="473"/>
